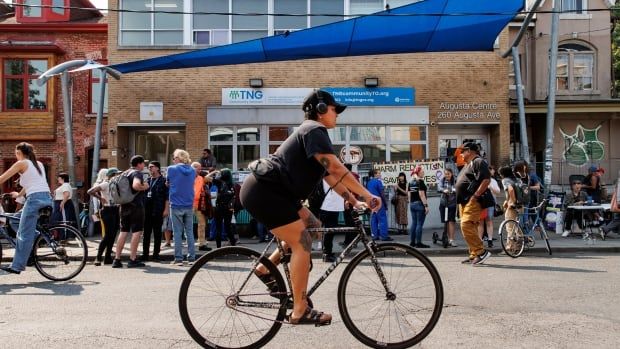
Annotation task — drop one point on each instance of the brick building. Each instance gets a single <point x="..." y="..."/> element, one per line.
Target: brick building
<point x="40" y="38"/>
<point x="586" y="115"/>
<point x="458" y="96"/>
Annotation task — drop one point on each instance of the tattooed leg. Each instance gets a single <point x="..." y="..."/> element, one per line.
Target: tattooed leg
<point x="306" y="241"/>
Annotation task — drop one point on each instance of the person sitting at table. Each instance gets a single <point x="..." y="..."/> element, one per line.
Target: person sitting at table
<point x="592" y="186"/>
<point x="615" y="211"/>
<point x="575" y="197"/>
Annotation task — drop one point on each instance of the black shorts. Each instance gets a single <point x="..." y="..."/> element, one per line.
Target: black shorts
<point x="132" y="218"/>
<point x="451" y="213"/>
<point x="269" y="203"/>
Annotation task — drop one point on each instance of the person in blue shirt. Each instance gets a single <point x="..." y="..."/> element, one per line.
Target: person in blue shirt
<point x="181" y="183"/>
<point x="378" y="220"/>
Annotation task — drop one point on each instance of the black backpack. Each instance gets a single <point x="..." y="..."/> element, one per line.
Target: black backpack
<point x="225" y="197"/>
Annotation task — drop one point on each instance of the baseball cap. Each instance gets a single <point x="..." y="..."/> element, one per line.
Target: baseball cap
<point x="471" y="146"/>
<point x="314" y="97"/>
<point x="593" y="169"/>
<point x="112" y="171"/>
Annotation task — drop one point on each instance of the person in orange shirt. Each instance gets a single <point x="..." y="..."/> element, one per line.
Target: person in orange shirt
<point x="458" y="159"/>
<point x="199" y="184"/>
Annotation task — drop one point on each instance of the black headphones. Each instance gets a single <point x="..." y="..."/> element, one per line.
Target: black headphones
<point x="321" y="107"/>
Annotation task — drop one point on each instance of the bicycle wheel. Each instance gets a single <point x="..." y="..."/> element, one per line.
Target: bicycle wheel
<point x="212" y="311"/>
<point x="544" y="237"/>
<point x="511" y="236"/>
<point x="60" y="252"/>
<point x="398" y="319"/>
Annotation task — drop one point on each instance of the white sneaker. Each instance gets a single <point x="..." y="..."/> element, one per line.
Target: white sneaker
<point x="566" y="233"/>
<point x="452" y="243"/>
<point x="601" y="219"/>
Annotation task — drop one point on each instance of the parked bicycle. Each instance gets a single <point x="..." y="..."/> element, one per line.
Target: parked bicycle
<point x="517" y="236"/>
<point x="59" y="251"/>
<point x="389" y="296"/>
<point x="84" y="219"/>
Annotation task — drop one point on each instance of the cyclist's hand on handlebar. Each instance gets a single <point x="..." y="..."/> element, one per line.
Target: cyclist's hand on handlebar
<point x="373" y="202"/>
<point x="14" y="194"/>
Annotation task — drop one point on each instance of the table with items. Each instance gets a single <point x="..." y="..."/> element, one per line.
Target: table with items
<point x="589" y="221"/>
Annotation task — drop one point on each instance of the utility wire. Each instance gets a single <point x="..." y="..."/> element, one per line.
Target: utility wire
<point x="255" y="14"/>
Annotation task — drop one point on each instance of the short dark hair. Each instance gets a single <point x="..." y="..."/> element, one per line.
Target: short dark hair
<point x="372" y="172"/>
<point x="64" y="176"/>
<point x="136" y="160"/>
<point x="207" y="150"/>
<point x="506" y="172"/>
<point x="155" y="163"/>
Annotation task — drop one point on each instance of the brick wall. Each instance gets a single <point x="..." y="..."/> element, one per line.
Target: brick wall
<point x="75" y="46"/>
<point x="437" y="77"/>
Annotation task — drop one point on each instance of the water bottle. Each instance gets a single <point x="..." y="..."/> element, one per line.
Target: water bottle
<point x="589" y="200"/>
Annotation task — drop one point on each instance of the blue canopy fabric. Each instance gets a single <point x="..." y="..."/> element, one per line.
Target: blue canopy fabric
<point x="467" y="25"/>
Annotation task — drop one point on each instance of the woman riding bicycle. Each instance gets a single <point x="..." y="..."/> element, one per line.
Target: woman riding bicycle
<point x="274" y="192"/>
<point x="34" y="183"/>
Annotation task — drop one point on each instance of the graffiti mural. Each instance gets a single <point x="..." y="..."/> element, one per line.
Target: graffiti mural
<point x="583" y="146"/>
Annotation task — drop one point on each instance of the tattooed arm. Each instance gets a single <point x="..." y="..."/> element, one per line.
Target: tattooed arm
<point x="340" y="176"/>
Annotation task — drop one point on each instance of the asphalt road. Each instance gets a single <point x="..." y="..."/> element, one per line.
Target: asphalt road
<point x="568" y="301"/>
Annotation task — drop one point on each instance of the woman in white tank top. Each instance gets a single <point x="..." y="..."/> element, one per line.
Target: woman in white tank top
<point x="37" y="191"/>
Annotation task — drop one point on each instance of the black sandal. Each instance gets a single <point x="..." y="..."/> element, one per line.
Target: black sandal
<point x="310" y="317"/>
<point x="270" y="282"/>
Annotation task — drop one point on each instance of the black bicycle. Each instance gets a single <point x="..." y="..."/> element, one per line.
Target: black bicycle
<point x="59" y="252"/>
<point x="389" y="296"/>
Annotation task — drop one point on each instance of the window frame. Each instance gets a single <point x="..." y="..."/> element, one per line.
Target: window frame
<point x="189" y="31"/>
<point x="47" y="13"/>
<point x="570" y="54"/>
<point x="25" y="77"/>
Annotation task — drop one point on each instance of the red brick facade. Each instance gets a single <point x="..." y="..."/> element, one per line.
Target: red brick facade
<point x="57" y="42"/>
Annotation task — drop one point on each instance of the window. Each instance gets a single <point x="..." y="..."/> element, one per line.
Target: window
<point x="249" y="27"/>
<point x="235" y="147"/>
<point x="32" y="11"/>
<point x="362" y="7"/>
<point x="282" y="23"/>
<point x="42" y="11"/>
<point x="159" y="144"/>
<point x="325" y="7"/>
<point x="138" y="29"/>
<point x="574" y="6"/>
<point x="95" y="84"/>
<point x="21" y="92"/>
<point x="575" y="67"/>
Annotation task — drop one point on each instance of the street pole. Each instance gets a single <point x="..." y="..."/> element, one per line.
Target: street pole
<point x="516" y="62"/>
<point x="66" y="106"/>
<point x="553" y="58"/>
<point x="98" y="125"/>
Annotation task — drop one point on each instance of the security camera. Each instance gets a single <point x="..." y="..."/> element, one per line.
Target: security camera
<point x="112" y="131"/>
<point x="433" y="124"/>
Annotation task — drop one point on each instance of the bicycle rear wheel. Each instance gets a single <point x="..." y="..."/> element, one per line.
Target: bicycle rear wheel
<point x="511" y="237"/>
<point x="544" y="237"/>
<point x="215" y="315"/>
<point x="60" y="253"/>
<point x="398" y="319"/>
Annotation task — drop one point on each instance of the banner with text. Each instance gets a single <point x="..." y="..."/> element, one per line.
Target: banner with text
<point x="433" y="171"/>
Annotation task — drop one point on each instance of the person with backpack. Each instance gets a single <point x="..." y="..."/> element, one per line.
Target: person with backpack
<point x="202" y="205"/>
<point x="155" y="210"/>
<point x="274" y="192"/>
<point x="122" y="188"/>
<point x="471" y="184"/>
<point x="109" y="217"/>
<point x="511" y="205"/>
<point x="224" y="205"/>
<point x="180" y="182"/>
<point x="32" y="179"/>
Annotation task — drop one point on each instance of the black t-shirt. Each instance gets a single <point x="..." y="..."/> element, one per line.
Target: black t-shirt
<point x="414" y="188"/>
<point x="138" y="200"/>
<point x="469" y="179"/>
<point x="296" y="155"/>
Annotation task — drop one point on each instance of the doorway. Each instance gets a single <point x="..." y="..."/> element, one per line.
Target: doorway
<point x="449" y="142"/>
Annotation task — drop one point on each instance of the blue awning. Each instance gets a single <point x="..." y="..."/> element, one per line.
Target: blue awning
<point x="466" y="25"/>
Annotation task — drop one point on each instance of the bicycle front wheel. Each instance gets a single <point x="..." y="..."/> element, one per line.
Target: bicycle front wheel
<point x="511" y="237"/>
<point x="60" y="253"/>
<point x="219" y="311"/>
<point x="406" y="314"/>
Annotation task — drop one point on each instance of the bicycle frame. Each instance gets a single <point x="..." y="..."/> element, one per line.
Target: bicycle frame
<point x="369" y="244"/>
<point x="524" y="219"/>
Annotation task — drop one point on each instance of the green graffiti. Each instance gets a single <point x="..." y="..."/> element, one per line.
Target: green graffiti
<point x="583" y="146"/>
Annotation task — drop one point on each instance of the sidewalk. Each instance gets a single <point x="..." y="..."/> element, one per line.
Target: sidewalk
<point x="571" y="244"/>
